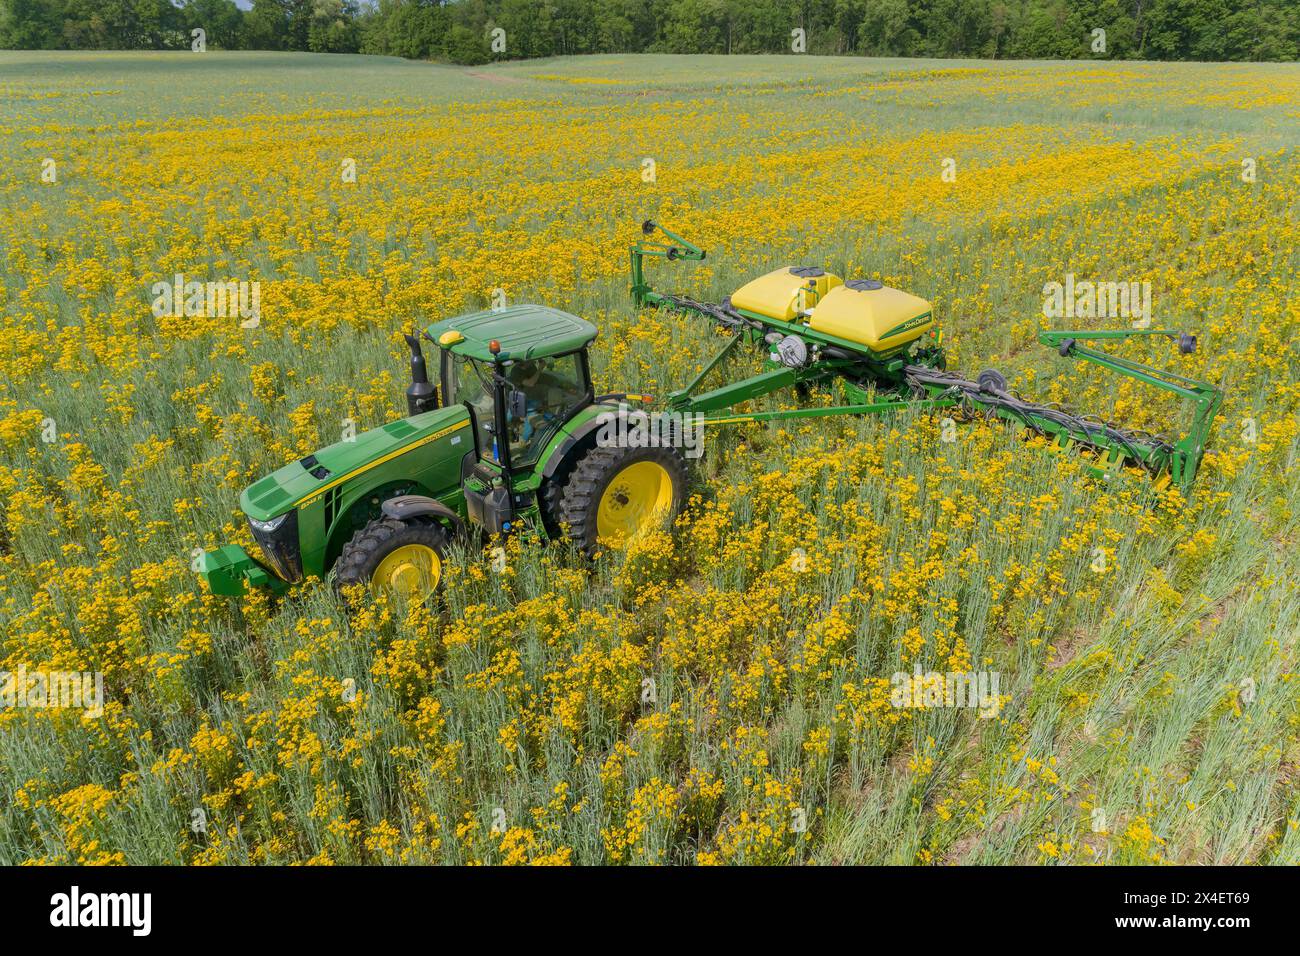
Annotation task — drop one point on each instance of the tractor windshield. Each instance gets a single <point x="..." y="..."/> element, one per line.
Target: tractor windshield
<point x="542" y="395"/>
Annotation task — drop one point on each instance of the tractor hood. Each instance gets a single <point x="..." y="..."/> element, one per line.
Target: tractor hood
<point x="296" y="483"/>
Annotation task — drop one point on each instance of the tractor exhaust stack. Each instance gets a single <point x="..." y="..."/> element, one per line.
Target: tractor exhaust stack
<point x="421" y="394"/>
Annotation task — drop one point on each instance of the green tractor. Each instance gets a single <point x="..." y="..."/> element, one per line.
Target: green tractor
<point x="506" y="439"/>
<point x="513" y="436"/>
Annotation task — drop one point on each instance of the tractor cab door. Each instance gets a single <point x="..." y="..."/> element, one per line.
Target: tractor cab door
<point x="516" y="412"/>
<point x="516" y="408"/>
<point x="539" y="396"/>
<point x="471" y="383"/>
<point x="488" y="497"/>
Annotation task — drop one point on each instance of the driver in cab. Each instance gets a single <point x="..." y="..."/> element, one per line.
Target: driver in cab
<point x="535" y="400"/>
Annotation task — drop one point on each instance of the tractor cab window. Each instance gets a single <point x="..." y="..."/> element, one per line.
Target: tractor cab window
<point x="541" y="396"/>
<point x="473" y="386"/>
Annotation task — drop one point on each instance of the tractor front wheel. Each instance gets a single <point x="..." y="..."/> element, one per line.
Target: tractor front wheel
<point x="614" y="494"/>
<point x="402" y="559"/>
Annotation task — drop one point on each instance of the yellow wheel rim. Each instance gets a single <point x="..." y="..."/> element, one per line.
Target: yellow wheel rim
<point x="410" y="572"/>
<point x="636" y="499"/>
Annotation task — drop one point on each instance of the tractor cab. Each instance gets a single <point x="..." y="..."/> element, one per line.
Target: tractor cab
<point x="522" y="373"/>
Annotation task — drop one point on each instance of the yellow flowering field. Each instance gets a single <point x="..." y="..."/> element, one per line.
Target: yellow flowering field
<point x="722" y="694"/>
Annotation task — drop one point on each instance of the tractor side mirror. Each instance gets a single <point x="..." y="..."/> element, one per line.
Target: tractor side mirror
<point x="518" y="404"/>
<point x="1186" y="343"/>
<point x="648" y="227"/>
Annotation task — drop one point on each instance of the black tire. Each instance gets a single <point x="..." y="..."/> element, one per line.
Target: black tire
<point x="595" y="471"/>
<point x="362" y="556"/>
<point x="552" y="499"/>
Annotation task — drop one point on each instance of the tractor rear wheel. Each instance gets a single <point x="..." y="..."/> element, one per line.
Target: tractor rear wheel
<point x="614" y="494"/>
<point x="402" y="559"/>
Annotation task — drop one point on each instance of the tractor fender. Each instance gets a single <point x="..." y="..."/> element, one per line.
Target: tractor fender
<point x="405" y="507"/>
<point x="577" y="437"/>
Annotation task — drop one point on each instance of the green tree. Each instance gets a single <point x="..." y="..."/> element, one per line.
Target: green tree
<point x="221" y="21"/>
<point x="119" y="24"/>
<point x="459" y="29"/>
<point x="695" y="26"/>
<point x="333" y="27"/>
<point x="624" y="26"/>
<point x="409" y="28"/>
<point x="759" y="26"/>
<point x="886" y="29"/>
<point x="280" y="24"/>
<point x="31" y="24"/>
<point x="529" y="26"/>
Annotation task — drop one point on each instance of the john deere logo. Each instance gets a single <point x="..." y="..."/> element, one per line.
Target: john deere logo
<point x="910" y="324"/>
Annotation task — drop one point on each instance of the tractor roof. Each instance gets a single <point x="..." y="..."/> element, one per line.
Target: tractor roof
<point x="524" y="331"/>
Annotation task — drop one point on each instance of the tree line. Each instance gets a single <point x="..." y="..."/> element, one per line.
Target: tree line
<point x="477" y="31"/>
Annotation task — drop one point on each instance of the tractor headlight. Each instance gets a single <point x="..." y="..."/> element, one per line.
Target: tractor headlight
<point x="267" y="527"/>
<point x="278" y="539"/>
